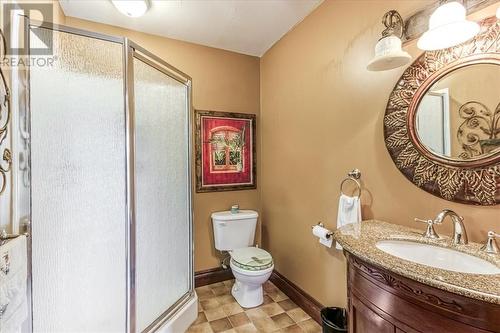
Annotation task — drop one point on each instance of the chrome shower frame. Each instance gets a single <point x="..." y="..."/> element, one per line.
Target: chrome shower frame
<point x="131" y="50"/>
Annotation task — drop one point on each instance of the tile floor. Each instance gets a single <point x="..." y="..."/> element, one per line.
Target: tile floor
<point x="219" y="312"/>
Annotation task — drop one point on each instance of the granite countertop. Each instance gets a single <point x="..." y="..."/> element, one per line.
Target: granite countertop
<point x="360" y="239"/>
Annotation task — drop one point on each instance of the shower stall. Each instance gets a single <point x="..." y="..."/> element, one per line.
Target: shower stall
<point x="105" y="126"/>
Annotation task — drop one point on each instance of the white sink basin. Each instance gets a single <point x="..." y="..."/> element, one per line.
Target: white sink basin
<point x="437" y="257"/>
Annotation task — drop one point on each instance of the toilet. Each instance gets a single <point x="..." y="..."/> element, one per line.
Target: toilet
<point x="251" y="266"/>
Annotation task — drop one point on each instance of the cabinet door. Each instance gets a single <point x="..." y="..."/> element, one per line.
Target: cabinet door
<point x="364" y="320"/>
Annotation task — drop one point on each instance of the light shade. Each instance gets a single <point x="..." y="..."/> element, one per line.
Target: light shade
<point x="132" y="8"/>
<point x="388" y="55"/>
<point x="447" y="27"/>
<point x="498" y="13"/>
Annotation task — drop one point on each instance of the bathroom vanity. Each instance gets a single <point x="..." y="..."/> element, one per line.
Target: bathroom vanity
<point x="389" y="294"/>
<point x="437" y="131"/>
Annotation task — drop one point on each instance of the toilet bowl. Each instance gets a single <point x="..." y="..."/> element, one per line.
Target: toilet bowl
<point x="251" y="266"/>
<point x="249" y="277"/>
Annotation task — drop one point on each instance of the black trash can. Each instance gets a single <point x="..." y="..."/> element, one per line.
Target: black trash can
<point x="334" y="320"/>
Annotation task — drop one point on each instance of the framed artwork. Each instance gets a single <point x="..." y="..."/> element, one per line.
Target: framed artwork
<point x="225" y="151"/>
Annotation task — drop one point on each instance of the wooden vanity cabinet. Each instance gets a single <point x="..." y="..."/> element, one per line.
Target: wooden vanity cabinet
<point x="381" y="301"/>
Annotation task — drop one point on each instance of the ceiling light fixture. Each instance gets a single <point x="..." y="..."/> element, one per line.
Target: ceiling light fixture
<point x="388" y="51"/>
<point x="132" y="8"/>
<point x="448" y="27"/>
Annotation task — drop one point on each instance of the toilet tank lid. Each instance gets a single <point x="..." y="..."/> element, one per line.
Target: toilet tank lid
<point x="241" y="215"/>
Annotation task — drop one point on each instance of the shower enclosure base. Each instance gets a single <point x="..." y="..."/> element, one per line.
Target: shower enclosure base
<point x="184" y="317"/>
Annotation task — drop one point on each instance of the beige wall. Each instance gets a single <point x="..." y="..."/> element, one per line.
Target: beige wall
<point x="321" y="116"/>
<point x="222" y="80"/>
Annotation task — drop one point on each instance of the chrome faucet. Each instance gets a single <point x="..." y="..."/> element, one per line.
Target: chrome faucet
<point x="491" y="246"/>
<point x="459" y="232"/>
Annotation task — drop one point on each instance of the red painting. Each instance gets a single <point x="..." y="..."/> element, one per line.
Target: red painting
<point x="225" y="151"/>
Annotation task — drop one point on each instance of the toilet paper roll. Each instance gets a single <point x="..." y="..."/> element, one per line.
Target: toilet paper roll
<point x="323" y="235"/>
<point x="320" y="232"/>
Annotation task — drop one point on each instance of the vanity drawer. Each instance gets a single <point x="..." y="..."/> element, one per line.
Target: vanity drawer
<point x="411" y="306"/>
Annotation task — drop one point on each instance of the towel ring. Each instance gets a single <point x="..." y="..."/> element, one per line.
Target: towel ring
<point x="354" y="175"/>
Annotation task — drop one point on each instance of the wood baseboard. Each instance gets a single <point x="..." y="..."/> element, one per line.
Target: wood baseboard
<point x="310" y="305"/>
<point x="213" y="275"/>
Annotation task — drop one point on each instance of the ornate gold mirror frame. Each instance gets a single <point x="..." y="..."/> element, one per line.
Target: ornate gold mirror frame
<point x="475" y="181"/>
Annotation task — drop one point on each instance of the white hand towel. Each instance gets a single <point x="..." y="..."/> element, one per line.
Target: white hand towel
<point x="349" y="212"/>
<point x="13" y="282"/>
<point x="13" y="294"/>
<point x="14" y="324"/>
<point x="13" y="257"/>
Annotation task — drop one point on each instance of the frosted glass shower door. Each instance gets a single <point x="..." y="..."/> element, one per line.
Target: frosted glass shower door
<point x="78" y="186"/>
<point x="111" y="243"/>
<point x="163" y="241"/>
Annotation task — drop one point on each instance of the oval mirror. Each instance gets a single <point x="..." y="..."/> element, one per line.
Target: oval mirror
<point x="442" y="120"/>
<point x="459" y="115"/>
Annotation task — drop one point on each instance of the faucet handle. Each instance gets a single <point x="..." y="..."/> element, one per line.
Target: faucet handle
<point x="429" y="232"/>
<point x="428" y="221"/>
<point x="490" y="246"/>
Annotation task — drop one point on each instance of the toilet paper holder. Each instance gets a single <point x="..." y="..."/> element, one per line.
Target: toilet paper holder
<point x="320" y="224"/>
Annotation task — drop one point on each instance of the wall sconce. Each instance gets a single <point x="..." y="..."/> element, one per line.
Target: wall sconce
<point x="388" y="51"/>
<point x="448" y="27"/>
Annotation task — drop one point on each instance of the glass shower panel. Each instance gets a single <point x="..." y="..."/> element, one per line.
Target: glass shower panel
<point x="78" y="186"/>
<point x="163" y="251"/>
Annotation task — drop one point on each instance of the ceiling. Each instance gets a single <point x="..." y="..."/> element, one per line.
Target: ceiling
<point x="245" y="26"/>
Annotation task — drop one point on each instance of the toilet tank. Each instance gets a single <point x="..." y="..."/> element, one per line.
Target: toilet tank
<point x="234" y="231"/>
